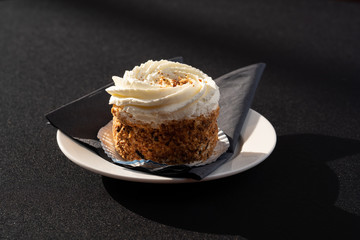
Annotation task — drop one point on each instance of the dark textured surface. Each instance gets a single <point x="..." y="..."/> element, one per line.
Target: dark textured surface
<point x="52" y="52"/>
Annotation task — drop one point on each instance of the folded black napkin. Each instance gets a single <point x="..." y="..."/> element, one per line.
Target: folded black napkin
<point x="82" y="118"/>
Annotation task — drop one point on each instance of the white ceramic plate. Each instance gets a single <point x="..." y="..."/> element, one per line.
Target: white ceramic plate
<point x="258" y="136"/>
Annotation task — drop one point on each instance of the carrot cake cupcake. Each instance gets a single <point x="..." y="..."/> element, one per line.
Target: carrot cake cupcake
<point x="165" y="112"/>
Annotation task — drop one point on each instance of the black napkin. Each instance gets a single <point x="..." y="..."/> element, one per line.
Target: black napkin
<point x="82" y="118"/>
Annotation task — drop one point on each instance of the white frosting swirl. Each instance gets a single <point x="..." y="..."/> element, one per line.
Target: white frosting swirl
<point x="163" y="90"/>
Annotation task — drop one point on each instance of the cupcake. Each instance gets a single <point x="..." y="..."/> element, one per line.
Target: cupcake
<point x="165" y="112"/>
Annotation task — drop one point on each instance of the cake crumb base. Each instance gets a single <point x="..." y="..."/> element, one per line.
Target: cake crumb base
<point x="172" y="142"/>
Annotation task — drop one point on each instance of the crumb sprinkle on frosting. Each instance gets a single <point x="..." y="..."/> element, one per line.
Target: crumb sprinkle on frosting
<point x="166" y="81"/>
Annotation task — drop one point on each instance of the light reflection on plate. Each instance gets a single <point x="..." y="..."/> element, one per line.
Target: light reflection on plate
<point x="258" y="137"/>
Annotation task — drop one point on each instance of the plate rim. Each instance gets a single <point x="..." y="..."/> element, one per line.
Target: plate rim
<point x="122" y="173"/>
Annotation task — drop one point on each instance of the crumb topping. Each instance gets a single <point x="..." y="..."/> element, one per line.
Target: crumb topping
<point x="166" y="81"/>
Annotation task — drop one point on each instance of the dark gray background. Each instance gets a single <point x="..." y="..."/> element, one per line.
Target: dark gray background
<point x="52" y="52"/>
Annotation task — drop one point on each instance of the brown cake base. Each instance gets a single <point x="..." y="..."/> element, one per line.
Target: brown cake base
<point x="172" y="142"/>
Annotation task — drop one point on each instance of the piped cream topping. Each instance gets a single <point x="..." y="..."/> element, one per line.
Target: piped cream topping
<point x="157" y="91"/>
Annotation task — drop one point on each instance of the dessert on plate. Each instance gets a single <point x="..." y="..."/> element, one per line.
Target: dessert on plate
<point x="165" y="112"/>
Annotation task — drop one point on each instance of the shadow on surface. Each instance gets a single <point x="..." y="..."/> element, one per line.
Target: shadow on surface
<point x="291" y="195"/>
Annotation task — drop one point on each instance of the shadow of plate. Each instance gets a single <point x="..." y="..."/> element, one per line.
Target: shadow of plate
<point x="291" y="195"/>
